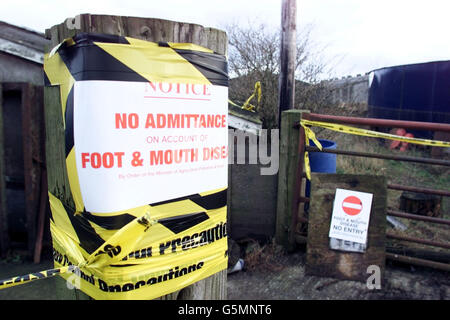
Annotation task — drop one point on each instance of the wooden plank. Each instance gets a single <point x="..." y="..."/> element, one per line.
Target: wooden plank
<point x="30" y="178"/>
<point x="287" y="176"/>
<point x="213" y="287"/>
<point x="34" y="158"/>
<point x="320" y="259"/>
<point x="4" y="239"/>
<point x="39" y="169"/>
<point x="43" y="201"/>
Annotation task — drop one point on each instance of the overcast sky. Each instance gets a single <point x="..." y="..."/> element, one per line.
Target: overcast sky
<point x="358" y="35"/>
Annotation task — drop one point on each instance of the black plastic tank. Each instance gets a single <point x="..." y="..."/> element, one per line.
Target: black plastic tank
<point x="413" y="92"/>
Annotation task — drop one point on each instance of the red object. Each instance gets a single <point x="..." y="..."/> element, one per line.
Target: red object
<point x="352" y="205"/>
<point x="405" y="144"/>
<point x="396" y="143"/>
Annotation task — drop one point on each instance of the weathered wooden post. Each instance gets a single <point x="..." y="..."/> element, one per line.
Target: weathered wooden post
<point x="154" y="30"/>
<point x="288" y="181"/>
<point x="286" y="87"/>
<point x="289" y="177"/>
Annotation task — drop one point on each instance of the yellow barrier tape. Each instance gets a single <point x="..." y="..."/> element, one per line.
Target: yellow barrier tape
<point x="112" y="251"/>
<point x="309" y="134"/>
<point x="247" y="105"/>
<point x="374" y="134"/>
<point x="17" y="280"/>
<point x="257" y="92"/>
<point x="234" y="104"/>
<point x="119" y="249"/>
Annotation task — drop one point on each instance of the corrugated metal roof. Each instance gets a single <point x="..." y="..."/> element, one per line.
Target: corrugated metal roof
<point x="22" y="42"/>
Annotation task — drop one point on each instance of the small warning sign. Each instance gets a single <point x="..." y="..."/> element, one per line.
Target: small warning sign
<point x="352" y="205"/>
<point x="351" y="214"/>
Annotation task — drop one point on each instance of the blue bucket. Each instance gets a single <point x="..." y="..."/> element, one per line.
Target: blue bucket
<point x="321" y="162"/>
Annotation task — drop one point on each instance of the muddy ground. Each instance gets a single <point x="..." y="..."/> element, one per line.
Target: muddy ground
<point x="282" y="279"/>
<point x="291" y="283"/>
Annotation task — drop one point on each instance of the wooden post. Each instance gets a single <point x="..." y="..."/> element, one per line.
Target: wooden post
<point x="141" y="28"/>
<point x="213" y="287"/>
<point x="288" y="178"/>
<point x="288" y="50"/>
<point x="57" y="179"/>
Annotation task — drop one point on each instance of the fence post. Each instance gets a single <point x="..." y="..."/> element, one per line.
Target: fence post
<point x="289" y="181"/>
<point x="213" y="287"/>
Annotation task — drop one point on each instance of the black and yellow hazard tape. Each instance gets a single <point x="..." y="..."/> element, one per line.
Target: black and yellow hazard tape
<point x="17" y="280"/>
<point x="309" y="134"/>
<point x="147" y="251"/>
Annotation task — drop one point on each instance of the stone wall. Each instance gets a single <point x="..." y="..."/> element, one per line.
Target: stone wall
<point x="350" y="90"/>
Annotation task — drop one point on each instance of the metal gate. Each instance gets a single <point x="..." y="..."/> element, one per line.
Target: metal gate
<point x="298" y="195"/>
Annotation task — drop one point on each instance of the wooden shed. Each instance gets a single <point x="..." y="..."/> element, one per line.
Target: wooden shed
<point x="22" y="135"/>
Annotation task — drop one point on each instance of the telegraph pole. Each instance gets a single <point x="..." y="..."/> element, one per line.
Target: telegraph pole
<point x="288" y="50"/>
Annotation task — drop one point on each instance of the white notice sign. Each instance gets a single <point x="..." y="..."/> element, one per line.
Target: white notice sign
<point x="137" y="143"/>
<point x="351" y="214"/>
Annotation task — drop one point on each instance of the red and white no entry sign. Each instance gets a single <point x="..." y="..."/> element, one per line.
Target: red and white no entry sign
<point x="351" y="214"/>
<point x="352" y="205"/>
